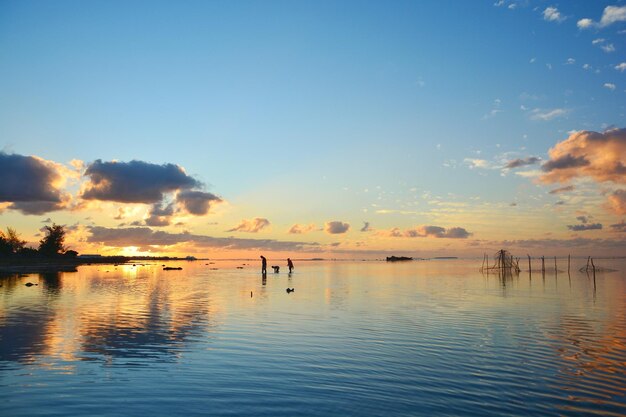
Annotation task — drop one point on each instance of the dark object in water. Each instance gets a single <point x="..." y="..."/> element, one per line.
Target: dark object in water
<point x="276" y="269"/>
<point x="290" y="290"/>
<point x="398" y="258"/>
<point x="172" y="268"/>
<point x="240" y="267"/>
<point x="30" y="284"/>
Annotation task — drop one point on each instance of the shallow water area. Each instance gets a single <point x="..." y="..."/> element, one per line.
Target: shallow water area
<point x="354" y="338"/>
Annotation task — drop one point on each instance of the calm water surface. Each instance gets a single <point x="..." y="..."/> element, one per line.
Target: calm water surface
<point x="354" y="338"/>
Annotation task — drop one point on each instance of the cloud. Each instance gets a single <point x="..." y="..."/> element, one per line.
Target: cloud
<point x="197" y="202"/>
<point x="562" y="189"/>
<point x="616" y="202"/>
<point x="477" y="163"/>
<point x="584" y="227"/>
<point x="545" y="115"/>
<point x="599" y="156"/>
<point x="159" y="215"/>
<point x="31" y="184"/>
<point x="429" y="231"/>
<point x="585" y="23"/>
<point x="366" y="227"/>
<point x="144" y="236"/>
<point x="301" y="229"/>
<point x="336" y="227"/>
<point x="619" y="227"/>
<point x="516" y="163"/>
<point x="583" y="219"/>
<point x="609" y="47"/>
<point x="611" y="14"/>
<point x="621" y="67"/>
<point x="552" y="14"/>
<point x="609" y="86"/>
<point x="134" y="181"/>
<point x="251" y="226"/>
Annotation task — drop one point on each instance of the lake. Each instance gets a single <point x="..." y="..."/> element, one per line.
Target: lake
<point x="354" y="338"/>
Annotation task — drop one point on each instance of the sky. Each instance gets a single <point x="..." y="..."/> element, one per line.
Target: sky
<point x="352" y="129"/>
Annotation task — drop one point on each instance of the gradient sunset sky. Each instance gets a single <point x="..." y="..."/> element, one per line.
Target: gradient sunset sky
<point x="315" y="128"/>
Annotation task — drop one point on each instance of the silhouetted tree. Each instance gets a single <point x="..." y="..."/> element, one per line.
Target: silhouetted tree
<point x="52" y="243"/>
<point x="10" y="242"/>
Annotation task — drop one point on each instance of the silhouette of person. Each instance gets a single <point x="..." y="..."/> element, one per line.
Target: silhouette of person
<point x="263" y="265"/>
<point x="289" y="265"/>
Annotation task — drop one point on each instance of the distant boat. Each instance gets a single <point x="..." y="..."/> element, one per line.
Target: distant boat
<point x="398" y="258"/>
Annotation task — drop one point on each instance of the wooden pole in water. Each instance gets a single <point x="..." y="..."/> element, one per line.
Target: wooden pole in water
<point x="568" y="259"/>
<point x="594" y="273"/>
<point x="530" y="271"/>
<point x="543" y="265"/>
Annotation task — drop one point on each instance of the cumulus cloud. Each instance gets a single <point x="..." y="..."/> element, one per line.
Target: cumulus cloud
<point x="336" y="227"/>
<point x="552" y="14"/>
<point x="611" y="14"/>
<point x="609" y="86"/>
<point x="516" y="163"/>
<point x="251" y="226"/>
<point x="616" y="202"/>
<point x="197" y="202"/>
<point x="565" y="189"/>
<point x="366" y="227"/>
<point x="429" y="231"/>
<point x="31" y="184"/>
<point x="300" y="229"/>
<point x="584" y="227"/>
<point x="160" y="215"/>
<point x="585" y="23"/>
<point x="621" y="67"/>
<point x="134" y="181"/>
<point x="600" y="156"/>
<point x="145" y="237"/>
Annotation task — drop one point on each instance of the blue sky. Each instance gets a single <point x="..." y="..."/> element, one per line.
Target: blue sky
<point x="310" y="112"/>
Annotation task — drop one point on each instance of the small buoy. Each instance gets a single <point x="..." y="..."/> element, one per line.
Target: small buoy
<point x="30" y="284"/>
<point x="290" y="290"/>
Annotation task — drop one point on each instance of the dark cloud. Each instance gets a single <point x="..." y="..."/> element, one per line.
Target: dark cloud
<point x="160" y="215"/>
<point x="565" y="162"/>
<point x="562" y="189"/>
<point x="584" y="227"/>
<point x="560" y="203"/>
<point x="197" y="202"/>
<point x="144" y="236"/>
<point x="516" y="163"/>
<point x="619" y="227"/>
<point x="430" y="231"/>
<point x="336" y="227"/>
<point x="135" y="181"/>
<point x="366" y="227"/>
<point x="582" y="219"/>
<point x="251" y="226"/>
<point x="31" y="184"/>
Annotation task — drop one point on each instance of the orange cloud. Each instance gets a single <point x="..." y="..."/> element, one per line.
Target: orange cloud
<point x="599" y="156"/>
<point x="251" y="226"/>
<point x="616" y="202"/>
<point x="300" y="229"/>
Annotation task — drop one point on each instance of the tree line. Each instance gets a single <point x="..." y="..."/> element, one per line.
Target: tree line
<point x="51" y="245"/>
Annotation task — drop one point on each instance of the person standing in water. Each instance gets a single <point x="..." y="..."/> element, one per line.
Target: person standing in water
<point x="289" y="265"/>
<point x="263" y="265"/>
